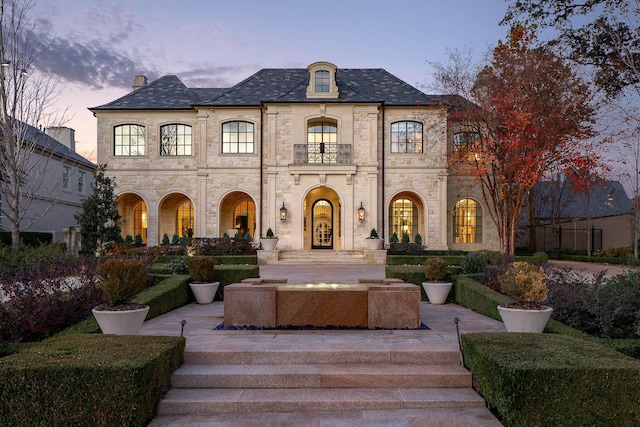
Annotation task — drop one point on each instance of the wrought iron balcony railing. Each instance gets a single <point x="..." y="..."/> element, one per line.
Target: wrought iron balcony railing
<point x="322" y="153"/>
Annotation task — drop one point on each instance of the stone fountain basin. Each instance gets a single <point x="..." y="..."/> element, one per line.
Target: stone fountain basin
<point x="389" y="304"/>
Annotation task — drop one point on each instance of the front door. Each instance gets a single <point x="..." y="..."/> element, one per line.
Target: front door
<point x="322" y="225"/>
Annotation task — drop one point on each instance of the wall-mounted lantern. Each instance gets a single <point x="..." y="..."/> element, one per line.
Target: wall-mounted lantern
<point x="361" y="213"/>
<point x="283" y="213"/>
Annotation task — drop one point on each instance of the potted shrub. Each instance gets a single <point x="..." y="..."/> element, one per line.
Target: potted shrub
<point x="121" y="280"/>
<point x="203" y="285"/>
<point x="526" y="284"/>
<point x="374" y="242"/>
<point x="435" y="271"/>
<point x="165" y="239"/>
<point x="270" y="241"/>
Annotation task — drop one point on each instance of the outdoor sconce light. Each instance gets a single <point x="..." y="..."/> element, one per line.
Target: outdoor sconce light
<point x="283" y="213"/>
<point x="361" y="213"/>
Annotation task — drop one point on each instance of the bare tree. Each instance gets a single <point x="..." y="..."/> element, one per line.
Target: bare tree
<point x="630" y="161"/>
<point x="25" y="96"/>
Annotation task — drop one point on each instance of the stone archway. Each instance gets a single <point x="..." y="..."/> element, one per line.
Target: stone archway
<point x="176" y="216"/>
<point x="238" y="215"/>
<point x="134" y="215"/>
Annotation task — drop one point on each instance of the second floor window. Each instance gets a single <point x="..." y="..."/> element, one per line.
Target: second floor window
<point x="81" y="182"/>
<point x="65" y="177"/>
<point x="237" y="137"/>
<point x="322" y="139"/>
<point x="129" y="140"/>
<point x="406" y="137"/>
<point x="175" y="140"/>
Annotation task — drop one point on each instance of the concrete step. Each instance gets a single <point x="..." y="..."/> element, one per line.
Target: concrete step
<point x="321" y="257"/>
<point x="321" y="376"/>
<point x="217" y="401"/>
<point x="434" y="353"/>
<point x="438" y="417"/>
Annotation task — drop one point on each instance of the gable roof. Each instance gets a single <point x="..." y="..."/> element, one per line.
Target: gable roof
<point x="52" y="146"/>
<point x="604" y="199"/>
<point x="355" y="85"/>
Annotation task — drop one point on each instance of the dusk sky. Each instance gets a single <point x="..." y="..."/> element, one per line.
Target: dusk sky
<point x="100" y="45"/>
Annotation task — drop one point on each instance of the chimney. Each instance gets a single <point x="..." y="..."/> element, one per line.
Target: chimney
<point x="139" y="81"/>
<point x="66" y="136"/>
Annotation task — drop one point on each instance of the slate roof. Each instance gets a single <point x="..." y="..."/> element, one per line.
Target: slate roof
<point x="604" y="200"/>
<point x="52" y="145"/>
<point x="288" y="85"/>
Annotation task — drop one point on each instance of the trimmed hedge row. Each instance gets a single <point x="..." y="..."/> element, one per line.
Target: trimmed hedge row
<point x="28" y="238"/>
<point x="218" y="259"/>
<point x="228" y="274"/>
<point x="88" y="379"/>
<point x="541" y="379"/>
<point x="604" y="260"/>
<point x="548" y="379"/>
<point x="420" y="259"/>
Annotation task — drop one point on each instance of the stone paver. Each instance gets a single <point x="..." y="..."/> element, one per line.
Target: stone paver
<point x="207" y="345"/>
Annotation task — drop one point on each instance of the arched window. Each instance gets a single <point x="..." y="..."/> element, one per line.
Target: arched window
<point x="140" y="221"/>
<point x="184" y="219"/>
<point x="403" y="217"/>
<point x="175" y="140"/>
<point x="129" y="140"/>
<point x="322" y="142"/>
<point x="406" y="137"/>
<point x="467" y="222"/>
<point x="244" y="216"/>
<point x="237" y="137"/>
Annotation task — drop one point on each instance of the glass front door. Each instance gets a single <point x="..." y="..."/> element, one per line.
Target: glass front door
<point x="322" y="225"/>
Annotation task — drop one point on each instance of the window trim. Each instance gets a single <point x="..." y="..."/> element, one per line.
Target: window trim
<point x="129" y="145"/>
<point x="177" y="144"/>
<point x="237" y="143"/>
<point x="81" y="181"/>
<point x="406" y="133"/>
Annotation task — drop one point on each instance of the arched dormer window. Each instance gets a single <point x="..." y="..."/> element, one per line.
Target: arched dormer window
<point x="322" y="80"/>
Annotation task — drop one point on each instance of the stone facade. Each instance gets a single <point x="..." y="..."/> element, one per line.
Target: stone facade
<point x="321" y="199"/>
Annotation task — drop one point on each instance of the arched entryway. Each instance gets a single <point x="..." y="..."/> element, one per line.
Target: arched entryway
<point x="238" y="215"/>
<point x="134" y="216"/>
<point x="322" y="219"/>
<point x="405" y="216"/>
<point x="176" y="216"/>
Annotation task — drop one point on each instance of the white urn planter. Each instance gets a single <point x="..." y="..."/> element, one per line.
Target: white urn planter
<point x="437" y="292"/>
<point x="204" y="292"/>
<point x="374" y="244"/>
<point x="269" y="244"/>
<point x="125" y="322"/>
<point x="525" y="320"/>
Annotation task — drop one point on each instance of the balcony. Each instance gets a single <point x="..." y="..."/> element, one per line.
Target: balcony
<point x="322" y="154"/>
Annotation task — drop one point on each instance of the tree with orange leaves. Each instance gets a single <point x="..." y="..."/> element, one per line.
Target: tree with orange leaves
<point x="532" y="115"/>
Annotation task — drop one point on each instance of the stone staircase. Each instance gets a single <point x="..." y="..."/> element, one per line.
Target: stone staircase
<point x="321" y="257"/>
<point x="301" y="381"/>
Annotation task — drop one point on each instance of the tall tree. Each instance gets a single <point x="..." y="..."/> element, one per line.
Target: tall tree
<point x="100" y="219"/>
<point x="25" y="96"/>
<point x="604" y="34"/>
<point x="532" y="117"/>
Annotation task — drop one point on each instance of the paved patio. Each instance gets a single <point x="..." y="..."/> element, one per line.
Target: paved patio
<point x="202" y="337"/>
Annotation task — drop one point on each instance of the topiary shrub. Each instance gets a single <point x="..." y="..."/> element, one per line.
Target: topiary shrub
<point x="525" y="283"/>
<point x="122" y="279"/>
<point x="435" y="269"/>
<point x="539" y="258"/>
<point x="202" y="269"/>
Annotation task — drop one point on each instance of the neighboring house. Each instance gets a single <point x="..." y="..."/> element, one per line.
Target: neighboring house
<point x="599" y="218"/>
<point x="61" y="181"/>
<point x="336" y="152"/>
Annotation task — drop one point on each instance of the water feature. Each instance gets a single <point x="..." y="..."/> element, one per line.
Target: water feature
<point x="388" y="303"/>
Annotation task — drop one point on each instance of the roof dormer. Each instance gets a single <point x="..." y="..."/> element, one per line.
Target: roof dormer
<point x="322" y="80"/>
